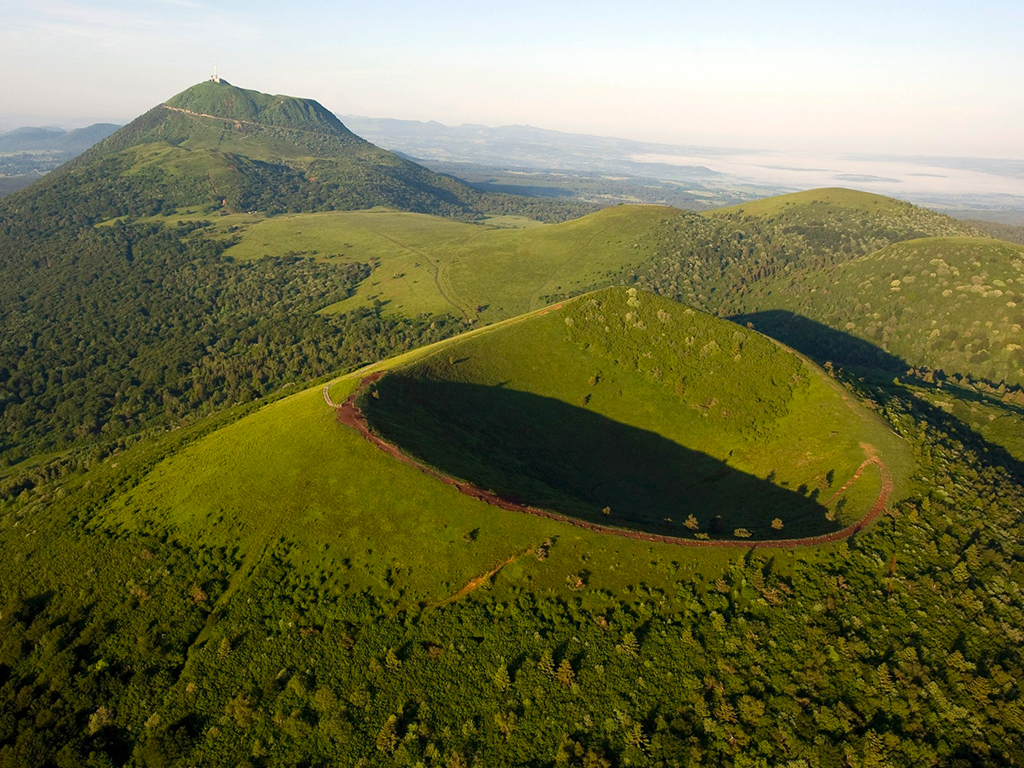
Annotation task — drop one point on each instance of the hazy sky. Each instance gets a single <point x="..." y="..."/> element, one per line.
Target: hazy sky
<point x="904" y="77"/>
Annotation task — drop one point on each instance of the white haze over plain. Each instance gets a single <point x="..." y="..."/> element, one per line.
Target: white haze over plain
<point x="807" y="170"/>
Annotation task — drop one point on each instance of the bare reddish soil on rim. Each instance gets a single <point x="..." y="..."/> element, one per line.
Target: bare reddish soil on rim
<point x="350" y="415"/>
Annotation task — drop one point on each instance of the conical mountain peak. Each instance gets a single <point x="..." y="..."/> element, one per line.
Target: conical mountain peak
<point x="221" y="146"/>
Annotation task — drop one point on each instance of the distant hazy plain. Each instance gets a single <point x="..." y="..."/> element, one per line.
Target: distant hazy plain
<point x="901" y="177"/>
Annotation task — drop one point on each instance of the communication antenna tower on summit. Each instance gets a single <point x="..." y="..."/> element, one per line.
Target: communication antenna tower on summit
<point x="214" y="78"/>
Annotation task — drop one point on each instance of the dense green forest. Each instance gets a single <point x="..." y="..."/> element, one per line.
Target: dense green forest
<point x="119" y="328"/>
<point x="900" y="647"/>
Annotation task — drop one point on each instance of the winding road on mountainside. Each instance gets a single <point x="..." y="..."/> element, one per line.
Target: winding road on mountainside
<point x="236" y="121"/>
<point x="350" y="415"/>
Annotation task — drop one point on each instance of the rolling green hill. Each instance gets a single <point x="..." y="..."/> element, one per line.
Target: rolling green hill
<point x="835" y="203"/>
<point x="713" y="264"/>
<point x="843" y="221"/>
<point x="426" y="264"/>
<point x="476" y="271"/>
<point x="948" y="304"/>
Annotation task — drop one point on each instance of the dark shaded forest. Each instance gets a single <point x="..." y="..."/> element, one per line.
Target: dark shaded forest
<point x="115" y="329"/>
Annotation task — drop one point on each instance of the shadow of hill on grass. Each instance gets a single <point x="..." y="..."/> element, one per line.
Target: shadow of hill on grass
<point x="820" y="342"/>
<point x="546" y="453"/>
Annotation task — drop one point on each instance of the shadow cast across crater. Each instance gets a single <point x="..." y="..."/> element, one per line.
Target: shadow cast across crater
<point x="542" y="452"/>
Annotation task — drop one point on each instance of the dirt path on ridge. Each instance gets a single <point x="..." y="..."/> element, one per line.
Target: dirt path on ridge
<point x="350" y="415"/>
<point x="479" y="580"/>
<point x="444" y="287"/>
<point x="327" y="397"/>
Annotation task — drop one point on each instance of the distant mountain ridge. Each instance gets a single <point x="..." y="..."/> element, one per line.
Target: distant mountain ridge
<point x="29" y="153"/>
<point x="72" y="142"/>
<point x="714" y="175"/>
<point x="525" y="146"/>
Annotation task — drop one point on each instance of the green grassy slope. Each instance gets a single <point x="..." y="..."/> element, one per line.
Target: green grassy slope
<point x="293" y="471"/>
<point x="950" y="304"/>
<point x="427" y="264"/>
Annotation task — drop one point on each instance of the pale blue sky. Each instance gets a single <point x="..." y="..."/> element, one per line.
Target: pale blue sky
<point x="906" y="77"/>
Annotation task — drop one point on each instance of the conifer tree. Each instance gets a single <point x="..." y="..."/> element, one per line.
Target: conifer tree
<point x="547" y="663"/>
<point x="565" y="674"/>
<point x="960" y="573"/>
<point x="885" y="679"/>
<point x="387" y="739"/>
<point x="391" y="660"/>
<point x="630" y="647"/>
<point x="501" y="678"/>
